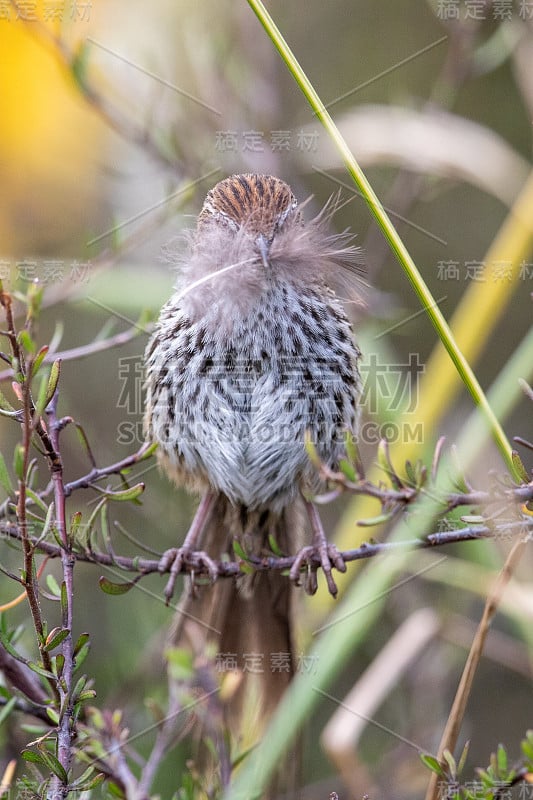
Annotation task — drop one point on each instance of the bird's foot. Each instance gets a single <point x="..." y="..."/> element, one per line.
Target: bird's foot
<point x="183" y="559"/>
<point x="311" y="557"/>
<point x="320" y="554"/>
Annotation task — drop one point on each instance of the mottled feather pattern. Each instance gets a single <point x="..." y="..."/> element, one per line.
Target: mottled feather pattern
<point x="241" y="366"/>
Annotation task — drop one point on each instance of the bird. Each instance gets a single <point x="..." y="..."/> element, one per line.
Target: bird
<point x="252" y="357"/>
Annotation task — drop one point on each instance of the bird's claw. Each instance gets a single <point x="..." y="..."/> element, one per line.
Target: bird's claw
<point x="180" y="559"/>
<point x="322" y="554"/>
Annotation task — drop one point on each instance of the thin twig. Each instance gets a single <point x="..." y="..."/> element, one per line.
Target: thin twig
<point x="455" y="718"/>
<point x="232" y="569"/>
<point x="90" y="349"/>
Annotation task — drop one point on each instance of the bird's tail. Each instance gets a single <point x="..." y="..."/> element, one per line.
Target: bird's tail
<point x="248" y="619"/>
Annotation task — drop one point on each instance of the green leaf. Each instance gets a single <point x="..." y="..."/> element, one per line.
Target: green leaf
<point x="64" y="599"/>
<point x="7" y="709"/>
<point x="53" y="380"/>
<point x="526" y="746"/>
<point x="274" y="546"/>
<point x="79" y="687"/>
<point x="5" y="405"/>
<point x="39" y="358"/>
<point x="115" y="790"/>
<point x="239" y="551"/>
<point x="410" y="472"/>
<point x="501" y="756"/>
<point x="37" y="500"/>
<point x="58" y="664"/>
<point x="7" y="645"/>
<point x="41" y="401"/>
<point x="53" y="586"/>
<point x="347" y="470"/>
<point x="463" y="757"/>
<point x="433" y="764"/>
<point x="82" y="654"/>
<point x="109" y="587"/>
<point x="5" y="478"/>
<point x="75" y="522"/>
<point x="83" y="638"/>
<point x="55" y="637"/>
<point x="55" y="766"/>
<point x="88" y="780"/>
<point x="519" y="467"/>
<point x="121" y="495"/>
<point x="88" y="694"/>
<point x="33" y="757"/>
<point x="377" y="520"/>
<point x="79" y="64"/>
<point x="18" y="461"/>
<point x="44" y="673"/>
<point x="450" y="760"/>
<point x="24" y="339"/>
<point x="53" y="716"/>
<point x="148" y="453"/>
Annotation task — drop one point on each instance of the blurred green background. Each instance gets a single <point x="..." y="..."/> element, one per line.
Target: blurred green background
<point x="104" y="160"/>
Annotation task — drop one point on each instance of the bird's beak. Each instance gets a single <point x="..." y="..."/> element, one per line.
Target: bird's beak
<point x="263" y="245"/>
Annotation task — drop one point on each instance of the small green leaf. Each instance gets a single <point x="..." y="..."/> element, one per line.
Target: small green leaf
<point x="39" y="358"/>
<point x="37" y="500"/>
<point x="410" y="472"/>
<point x="463" y="757"/>
<point x="274" y="546"/>
<point x="18" y="461"/>
<point x="53" y="715"/>
<point x="121" y="495"/>
<point x="519" y="467"/>
<point x="54" y="638"/>
<point x="83" y="638"/>
<point x="58" y="664"/>
<point x="53" y="380"/>
<point x="55" y="766"/>
<point x="88" y="780"/>
<point x="7" y="645"/>
<point x="44" y="673"/>
<point x="7" y="709"/>
<point x="75" y="522"/>
<point x="433" y="764"/>
<point x="148" y="453"/>
<point x="24" y="339"/>
<point x="472" y="519"/>
<point x="5" y="405"/>
<point x="239" y="551"/>
<point x="79" y="687"/>
<point x="53" y="586"/>
<point x="33" y="757"/>
<point x="501" y="756"/>
<point x="347" y="470"/>
<point x="450" y="760"/>
<point x="377" y="520"/>
<point x="82" y="654"/>
<point x="79" y="64"/>
<point x="114" y="588"/>
<point x="41" y="401"/>
<point x="5" y="478"/>
<point x="115" y="791"/>
<point x="88" y="694"/>
<point x="64" y="599"/>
